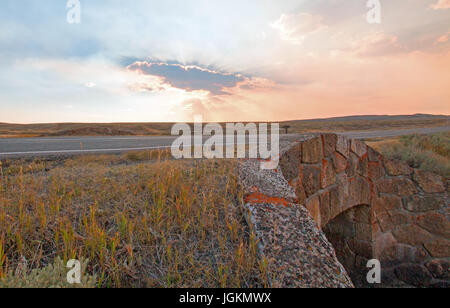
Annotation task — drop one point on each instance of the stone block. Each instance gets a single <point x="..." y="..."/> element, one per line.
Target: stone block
<point x="297" y="184"/>
<point x="363" y="214"/>
<point x="385" y="186"/>
<point x="328" y="175"/>
<point x="310" y="179"/>
<point x="387" y="203"/>
<point x="396" y="167"/>
<point x="375" y="170"/>
<point x="425" y="203"/>
<point x="342" y="145"/>
<point x="440" y="269"/>
<point x="373" y="155"/>
<point x="400" y="218"/>
<point x="290" y="162"/>
<point x="435" y="223"/>
<point x="363" y="231"/>
<point x="352" y="165"/>
<point x="439" y="248"/>
<point x="340" y="196"/>
<point x="363" y="166"/>
<point x="404" y="186"/>
<point x="335" y="201"/>
<point x="414" y="274"/>
<point x="312" y="151"/>
<point x="429" y="182"/>
<point x="313" y="206"/>
<point x="339" y="162"/>
<point x="359" y="191"/>
<point x="382" y="243"/>
<point x="324" y="199"/>
<point x="329" y="144"/>
<point x="412" y="235"/>
<point x="358" y="147"/>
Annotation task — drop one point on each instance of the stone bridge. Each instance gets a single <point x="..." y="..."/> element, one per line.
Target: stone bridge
<point x="367" y="207"/>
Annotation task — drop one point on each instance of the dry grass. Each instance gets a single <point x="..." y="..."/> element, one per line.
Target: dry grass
<point x="427" y="152"/>
<point x="142" y="220"/>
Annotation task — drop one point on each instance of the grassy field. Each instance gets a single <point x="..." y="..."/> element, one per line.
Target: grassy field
<point x="141" y="219"/>
<point x="355" y="123"/>
<point x="427" y="152"/>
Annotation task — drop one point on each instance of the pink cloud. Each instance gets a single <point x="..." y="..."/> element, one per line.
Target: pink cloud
<point x="443" y="39"/>
<point x="296" y="27"/>
<point x="441" y="5"/>
<point x="375" y="45"/>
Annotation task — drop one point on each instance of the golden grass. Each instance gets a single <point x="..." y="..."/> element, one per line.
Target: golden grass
<point x="140" y="222"/>
<point x="426" y="152"/>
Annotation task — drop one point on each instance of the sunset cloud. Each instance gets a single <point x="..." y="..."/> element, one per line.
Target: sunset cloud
<point x="296" y="27"/>
<point x="441" y="5"/>
<point x="190" y="77"/>
<point x="443" y="38"/>
<point x="376" y="45"/>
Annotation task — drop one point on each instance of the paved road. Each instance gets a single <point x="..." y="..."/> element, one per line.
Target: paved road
<point x="49" y="146"/>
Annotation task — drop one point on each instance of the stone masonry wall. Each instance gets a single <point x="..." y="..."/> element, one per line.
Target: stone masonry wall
<point x="370" y="207"/>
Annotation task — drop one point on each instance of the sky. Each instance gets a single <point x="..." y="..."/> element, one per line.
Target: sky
<point x="252" y="60"/>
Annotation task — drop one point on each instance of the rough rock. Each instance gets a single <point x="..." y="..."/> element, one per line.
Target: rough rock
<point x="339" y="162"/>
<point x="414" y="274"/>
<point x="310" y="177"/>
<point x="435" y="223"/>
<point x="312" y="151"/>
<point x="328" y="175"/>
<point x="439" y="268"/>
<point x="358" y="147"/>
<point x="342" y="145"/>
<point x="412" y="235"/>
<point x="329" y="144"/>
<point x="429" y="182"/>
<point x="439" y="248"/>
<point x="425" y="203"/>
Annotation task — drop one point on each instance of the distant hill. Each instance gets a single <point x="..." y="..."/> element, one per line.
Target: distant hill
<point x="337" y="124"/>
<point x="418" y="116"/>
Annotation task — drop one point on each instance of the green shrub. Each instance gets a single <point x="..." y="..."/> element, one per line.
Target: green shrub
<point x="437" y="143"/>
<point x="52" y="276"/>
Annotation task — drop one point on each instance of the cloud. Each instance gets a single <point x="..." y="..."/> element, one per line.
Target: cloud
<point x="443" y="38"/>
<point x="376" y="45"/>
<point x="188" y="77"/>
<point x="296" y="27"/>
<point x="441" y="5"/>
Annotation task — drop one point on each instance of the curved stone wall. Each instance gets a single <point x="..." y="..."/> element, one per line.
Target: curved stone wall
<point x="384" y="209"/>
<point x="294" y="251"/>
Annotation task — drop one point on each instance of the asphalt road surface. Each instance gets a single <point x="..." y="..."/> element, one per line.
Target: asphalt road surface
<point x="51" y="146"/>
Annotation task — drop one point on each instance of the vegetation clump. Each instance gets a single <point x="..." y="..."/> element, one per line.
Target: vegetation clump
<point x="52" y="276"/>
<point x="426" y="152"/>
